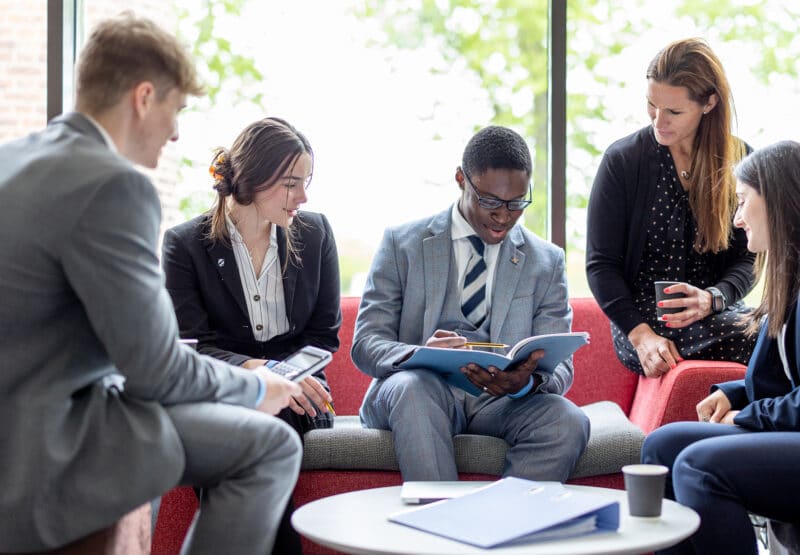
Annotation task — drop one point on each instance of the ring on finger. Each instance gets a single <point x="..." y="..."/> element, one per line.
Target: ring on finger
<point x="485" y="389"/>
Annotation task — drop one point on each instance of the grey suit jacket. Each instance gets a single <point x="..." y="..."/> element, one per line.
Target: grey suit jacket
<point x="405" y="292"/>
<point x="82" y="308"/>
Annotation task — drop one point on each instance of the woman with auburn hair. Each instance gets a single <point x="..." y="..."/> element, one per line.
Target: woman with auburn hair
<point x="661" y="209"/>
<point x="254" y="279"/>
<point x="722" y="466"/>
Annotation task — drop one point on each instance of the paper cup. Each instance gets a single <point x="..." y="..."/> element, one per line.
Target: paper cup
<point x="660" y="296"/>
<point x="645" y="486"/>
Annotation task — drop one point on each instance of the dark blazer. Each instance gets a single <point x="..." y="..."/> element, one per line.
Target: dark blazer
<point x="206" y="289"/>
<point x="767" y="398"/>
<point x="82" y="310"/>
<point x="616" y="230"/>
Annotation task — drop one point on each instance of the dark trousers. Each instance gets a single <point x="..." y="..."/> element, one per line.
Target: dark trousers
<point x="723" y="472"/>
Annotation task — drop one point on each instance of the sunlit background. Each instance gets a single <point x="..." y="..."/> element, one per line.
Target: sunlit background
<point x="389" y="92"/>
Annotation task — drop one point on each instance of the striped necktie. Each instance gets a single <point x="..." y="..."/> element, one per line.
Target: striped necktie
<point x="473" y="294"/>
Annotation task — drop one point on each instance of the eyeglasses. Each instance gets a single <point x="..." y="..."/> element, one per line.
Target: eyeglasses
<point x="493" y="203"/>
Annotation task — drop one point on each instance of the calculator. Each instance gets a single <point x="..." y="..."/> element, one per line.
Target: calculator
<point x="303" y="363"/>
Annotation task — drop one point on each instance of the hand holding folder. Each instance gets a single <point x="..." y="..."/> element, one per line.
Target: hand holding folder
<point x="512" y="511"/>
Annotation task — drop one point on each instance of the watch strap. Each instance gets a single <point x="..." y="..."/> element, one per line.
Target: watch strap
<point x="718" y="301"/>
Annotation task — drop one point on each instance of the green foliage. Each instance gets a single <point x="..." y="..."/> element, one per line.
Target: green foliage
<point x="225" y="68"/>
<point x="504" y="42"/>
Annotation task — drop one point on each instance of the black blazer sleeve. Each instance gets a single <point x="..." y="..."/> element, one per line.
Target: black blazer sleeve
<point x="190" y="277"/>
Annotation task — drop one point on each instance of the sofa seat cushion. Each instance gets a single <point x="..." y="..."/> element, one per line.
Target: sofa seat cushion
<point x="614" y="442"/>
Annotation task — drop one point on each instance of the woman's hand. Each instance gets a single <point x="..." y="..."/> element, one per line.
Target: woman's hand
<point x="696" y="305"/>
<point x="313" y="390"/>
<point x="715" y="408"/>
<point x="657" y="354"/>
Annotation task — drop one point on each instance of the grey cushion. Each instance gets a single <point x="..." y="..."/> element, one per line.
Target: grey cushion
<point x="614" y="441"/>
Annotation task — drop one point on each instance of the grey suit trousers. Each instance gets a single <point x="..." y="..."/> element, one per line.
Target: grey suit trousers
<point x="247" y="463"/>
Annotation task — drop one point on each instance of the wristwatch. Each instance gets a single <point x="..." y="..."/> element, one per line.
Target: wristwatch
<point x="717" y="300"/>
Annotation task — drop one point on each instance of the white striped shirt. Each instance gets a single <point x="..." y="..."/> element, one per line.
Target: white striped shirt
<point x="263" y="292"/>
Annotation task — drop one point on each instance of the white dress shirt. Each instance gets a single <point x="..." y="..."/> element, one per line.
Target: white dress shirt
<point x="263" y="290"/>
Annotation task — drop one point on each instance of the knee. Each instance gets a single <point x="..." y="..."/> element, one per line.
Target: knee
<point x="575" y="427"/>
<point x="413" y="389"/>
<point x="661" y="446"/>
<point x="277" y="441"/>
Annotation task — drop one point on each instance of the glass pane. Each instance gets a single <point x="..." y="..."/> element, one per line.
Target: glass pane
<point x="388" y="93"/>
<point x="607" y="60"/>
<point x="23" y="67"/>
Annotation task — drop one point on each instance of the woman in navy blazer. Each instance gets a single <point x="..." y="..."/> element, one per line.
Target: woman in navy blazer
<point x="721" y="466"/>
<point x="254" y="279"/>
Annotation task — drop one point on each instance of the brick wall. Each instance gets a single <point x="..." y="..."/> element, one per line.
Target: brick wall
<point x="23" y="77"/>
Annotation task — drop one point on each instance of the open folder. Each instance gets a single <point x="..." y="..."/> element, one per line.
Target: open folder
<point x="512" y="511"/>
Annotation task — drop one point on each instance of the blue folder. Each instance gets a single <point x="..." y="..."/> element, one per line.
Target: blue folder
<point x="447" y="362"/>
<point x="511" y="511"/>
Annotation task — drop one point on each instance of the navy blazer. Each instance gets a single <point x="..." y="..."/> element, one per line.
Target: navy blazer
<point x="206" y="290"/>
<point x="768" y="399"/>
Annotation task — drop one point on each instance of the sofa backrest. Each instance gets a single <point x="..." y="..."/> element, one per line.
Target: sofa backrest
<point x="598" y="373"/>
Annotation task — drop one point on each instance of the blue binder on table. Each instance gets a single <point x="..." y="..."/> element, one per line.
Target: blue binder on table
<point x="513" y="511"/>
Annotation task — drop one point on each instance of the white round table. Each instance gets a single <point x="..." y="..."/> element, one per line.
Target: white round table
<point x="356" y="522"/>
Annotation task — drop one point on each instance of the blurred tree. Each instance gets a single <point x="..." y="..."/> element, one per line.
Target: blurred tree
<point x="226" y="72"/>
<point x="505" y="43"/>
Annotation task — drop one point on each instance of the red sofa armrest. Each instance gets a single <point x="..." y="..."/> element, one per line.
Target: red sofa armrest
<point x="673" y="396"/>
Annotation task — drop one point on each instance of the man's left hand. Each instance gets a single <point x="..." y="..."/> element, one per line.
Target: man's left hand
<point x="498" y="382"/>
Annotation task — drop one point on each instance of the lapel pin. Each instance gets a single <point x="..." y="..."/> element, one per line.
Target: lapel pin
<point x="221" y="262"/>
<point x="514" y="259"/>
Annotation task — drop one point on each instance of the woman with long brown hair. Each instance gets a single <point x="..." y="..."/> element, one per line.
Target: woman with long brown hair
<point x="254" y="279"/>
<point x="722" y="466"/>
<point x="661" y="209"/>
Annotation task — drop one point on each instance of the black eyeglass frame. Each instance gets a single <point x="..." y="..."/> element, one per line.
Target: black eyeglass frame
<point x="493" y="203"/>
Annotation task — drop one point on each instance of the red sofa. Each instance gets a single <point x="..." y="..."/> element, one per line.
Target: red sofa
<point x="599" y="376"/>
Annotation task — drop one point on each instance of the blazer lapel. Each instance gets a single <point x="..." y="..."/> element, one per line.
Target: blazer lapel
<point x="437" y="250"/>
<point x="223" y="260"/>
<point x="290" y="275"/>
<point x="510" y="261"/>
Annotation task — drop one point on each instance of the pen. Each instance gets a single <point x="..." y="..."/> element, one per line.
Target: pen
<point x="483" y="344"/>
<point x="330" y="408"/>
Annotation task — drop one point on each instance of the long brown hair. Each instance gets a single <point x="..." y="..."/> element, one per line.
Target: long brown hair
<point x="774" y="172"/>
<point x="690" y="63"/>
<point x="260" y="156"/>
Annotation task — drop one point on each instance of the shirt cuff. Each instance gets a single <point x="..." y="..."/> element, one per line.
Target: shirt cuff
<point x="524" y="391"/>
<point x="262" y="390"/>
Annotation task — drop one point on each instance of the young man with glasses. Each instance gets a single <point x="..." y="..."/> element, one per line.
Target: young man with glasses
<point x="470" y="273"/>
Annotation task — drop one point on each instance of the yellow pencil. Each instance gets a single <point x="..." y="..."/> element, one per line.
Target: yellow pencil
<point x="330" y="408"/>
<point x="483" y="344"/>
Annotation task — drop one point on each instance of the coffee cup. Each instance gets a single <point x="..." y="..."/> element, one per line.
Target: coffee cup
<point x="645" y="486"/>
<point x="661" y="296"/>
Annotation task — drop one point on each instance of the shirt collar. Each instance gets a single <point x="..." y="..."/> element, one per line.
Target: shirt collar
<point x="103" y="133"/>
<point x="236" y="236"/>
<point x="459" y="226"/>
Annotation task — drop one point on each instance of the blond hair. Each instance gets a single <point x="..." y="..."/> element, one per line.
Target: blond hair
<point x="126" y="50"/>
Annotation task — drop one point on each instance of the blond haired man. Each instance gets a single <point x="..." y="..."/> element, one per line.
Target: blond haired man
<point x="102" y="408"/>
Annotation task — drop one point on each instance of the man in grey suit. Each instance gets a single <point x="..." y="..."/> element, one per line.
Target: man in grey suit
<point x="470" y="273"/>
<point x="102" y="409"/>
